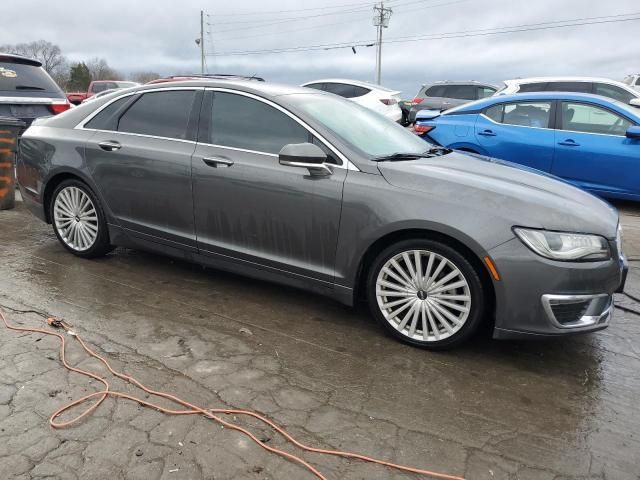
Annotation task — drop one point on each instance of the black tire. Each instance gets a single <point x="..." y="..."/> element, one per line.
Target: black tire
<point x="476" y="293"/>
<point x="101" y="245"/>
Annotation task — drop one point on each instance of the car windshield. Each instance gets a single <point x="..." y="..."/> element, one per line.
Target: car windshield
<point x="19" y="76"/>
<point x="364" y="130"/>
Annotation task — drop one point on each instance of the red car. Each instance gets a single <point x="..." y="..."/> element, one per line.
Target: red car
<point x="98" y="86"/>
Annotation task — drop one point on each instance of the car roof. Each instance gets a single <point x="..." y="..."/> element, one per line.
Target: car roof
<point x="465" y="82"/>
<point x="562" y="79"/>
<point x="358" y="83"/>
<point x="537" y="96"/>
<point x="12" y="58"/>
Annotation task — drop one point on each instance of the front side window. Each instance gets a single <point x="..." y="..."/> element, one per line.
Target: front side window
<point x="638" y="81"/>
<point x="249" y="124"/>
<point x="461" y="92"/>
<point x="580" y="117"/>
<point x="162" y="114"/>
<point x="614" y="92"/>
<point x="527" y="114"/>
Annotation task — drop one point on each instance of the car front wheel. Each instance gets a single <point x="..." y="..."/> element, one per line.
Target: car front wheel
<point x="78" y="220"/>
<point x="426" y="293"/>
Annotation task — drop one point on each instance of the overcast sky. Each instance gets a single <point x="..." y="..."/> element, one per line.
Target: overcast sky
<point x="159" y="35"/>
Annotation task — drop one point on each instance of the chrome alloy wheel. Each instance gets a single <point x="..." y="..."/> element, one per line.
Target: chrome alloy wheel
<point x="423" y="295"/>
<point x="75" y="218"/>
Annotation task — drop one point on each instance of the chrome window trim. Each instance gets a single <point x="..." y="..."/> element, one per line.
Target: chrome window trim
<point x="510" y="125"/>
<point x="346" y="164"/>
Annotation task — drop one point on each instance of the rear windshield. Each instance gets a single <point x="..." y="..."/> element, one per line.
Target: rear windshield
<point x="25" y="78"/>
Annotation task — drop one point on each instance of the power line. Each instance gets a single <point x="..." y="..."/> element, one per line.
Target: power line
<point x="325" y="25"/>
<point x="446" y="35"/>
<point x="274" y="12"/>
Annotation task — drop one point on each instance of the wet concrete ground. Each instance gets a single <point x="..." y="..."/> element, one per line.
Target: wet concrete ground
<point x="558" y="409"/>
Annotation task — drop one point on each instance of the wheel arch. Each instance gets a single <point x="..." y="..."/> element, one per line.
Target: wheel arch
<point x="56" y="179"/>
<point x="473" y="255"/>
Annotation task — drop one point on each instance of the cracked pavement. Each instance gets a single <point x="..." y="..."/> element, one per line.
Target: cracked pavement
<point x="561" y="409"/>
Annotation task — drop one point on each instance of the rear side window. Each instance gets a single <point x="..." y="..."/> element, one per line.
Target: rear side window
<point x="435" y="91"/>
<point x="359" y="91"/>
<point x="580" y="87"/>
<point x="461" y="92"/>
<point x="345" y="90"/>
<point x="495" y="113"/>
<point x="527" y="114"/>
<point x="638" y="81"/>
<point x="532" y="87"/>
<point x="484" y="92"/>
<point x="101" y="87"/>
<point x="614" y="92"/>
<point x="107" y="118"/>
<point x="162" y="114"/>
<point x="243" y="122"/>
<point x="26" y="78"/>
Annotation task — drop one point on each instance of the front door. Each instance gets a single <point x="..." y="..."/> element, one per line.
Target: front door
<point x="250" y="208"/>
<point x="518" y="132"/>
<point x="140" y="156"/>
<point x="593" y="152"/>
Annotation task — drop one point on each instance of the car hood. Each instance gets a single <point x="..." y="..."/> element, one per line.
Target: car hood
<point x="519" y="195"/>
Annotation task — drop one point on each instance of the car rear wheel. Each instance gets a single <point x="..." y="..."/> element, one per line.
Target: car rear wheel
<point x="426" y="293"/>
<point x="78" y="220"/>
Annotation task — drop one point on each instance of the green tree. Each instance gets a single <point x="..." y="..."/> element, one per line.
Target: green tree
<point x="79" y="77"/>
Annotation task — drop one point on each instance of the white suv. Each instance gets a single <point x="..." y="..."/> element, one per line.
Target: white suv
<point x="598" y="86"/>
<point x="374" y="97"/>
<point x="632" y="81"/>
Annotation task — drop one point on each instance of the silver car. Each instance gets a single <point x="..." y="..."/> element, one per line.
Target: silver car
<point x="304" y="188"/>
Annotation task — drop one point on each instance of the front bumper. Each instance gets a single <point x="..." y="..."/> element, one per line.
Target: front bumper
<point x="541" y="297"/>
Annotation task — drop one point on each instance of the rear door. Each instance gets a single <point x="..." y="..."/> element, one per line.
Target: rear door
<point x="519" y="132"/>
<point x="593" y="152"/>
<point x="140" y="158"/>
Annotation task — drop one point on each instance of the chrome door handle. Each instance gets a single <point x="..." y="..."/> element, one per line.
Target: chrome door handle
<point x="110" y="145"/>
<point x="216" y="162"/>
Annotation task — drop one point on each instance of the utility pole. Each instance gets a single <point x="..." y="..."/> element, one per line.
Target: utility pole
<point x="201" y="42"/>
<point x="381" y="16"/>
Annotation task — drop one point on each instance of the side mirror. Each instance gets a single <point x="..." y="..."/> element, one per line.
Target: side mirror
<point x="635" y="102"/>
<point x="633" y="133"/>
<point x="305" y="155"/>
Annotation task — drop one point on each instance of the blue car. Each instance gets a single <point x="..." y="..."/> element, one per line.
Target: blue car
<point x="588" y="140"/>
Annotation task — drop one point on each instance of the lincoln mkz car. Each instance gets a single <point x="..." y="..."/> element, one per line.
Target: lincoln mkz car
<point x="305" y="188"/>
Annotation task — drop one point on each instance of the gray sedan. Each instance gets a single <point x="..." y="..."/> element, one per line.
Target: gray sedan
<point x="304" y="188"/>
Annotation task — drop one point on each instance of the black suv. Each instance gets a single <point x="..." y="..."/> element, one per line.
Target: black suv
<point x="27" y="91"/>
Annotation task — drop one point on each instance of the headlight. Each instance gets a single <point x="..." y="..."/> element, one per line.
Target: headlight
<point x="564" y="245"/>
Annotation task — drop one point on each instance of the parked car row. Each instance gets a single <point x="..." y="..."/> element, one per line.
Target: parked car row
<point x="589" y="140"/>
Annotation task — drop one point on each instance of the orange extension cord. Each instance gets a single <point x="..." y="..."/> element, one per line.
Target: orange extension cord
<point x="192" y="409"/>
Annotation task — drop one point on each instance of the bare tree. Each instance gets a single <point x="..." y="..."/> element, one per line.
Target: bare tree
<point x="100" y="70"/>
<point x="144" y="77"/>
<point x="45" y="52"/>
